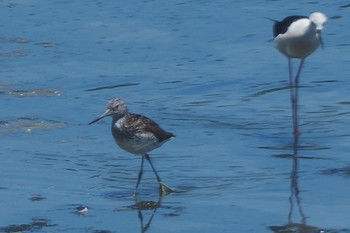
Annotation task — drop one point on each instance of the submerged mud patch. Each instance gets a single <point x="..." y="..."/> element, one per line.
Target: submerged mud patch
<point x="29" y="124"/>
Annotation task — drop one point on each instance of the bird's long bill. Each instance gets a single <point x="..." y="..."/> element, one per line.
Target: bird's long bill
<point x="321" y="41"/>
<point x="106" y="113"/>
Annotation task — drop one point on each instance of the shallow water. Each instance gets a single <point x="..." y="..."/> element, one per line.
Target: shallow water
<point x="206" y="71"/>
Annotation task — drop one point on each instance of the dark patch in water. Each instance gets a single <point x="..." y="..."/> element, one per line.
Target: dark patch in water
<point x="13" y="54"/>
<point x="344" y="102"/>
<point x="18" y="40"/>
<point x="345" y="6"/>
<point x="35" y="225"/>
<point x="38" y="92"/>
<point x="37" y="198"/>
<point x="295" y="227"/>
<point x="113" y="86"/>
<point x="45" y="44"/>
<point x="102" y="231"/>
<point x="343" y="44"/>
<point x="28" y="124"/>
<point x="268" y="91"/>
<point x="12" y="90"/>
<point x="291" y="156"/>
<point x="344" y="171"/>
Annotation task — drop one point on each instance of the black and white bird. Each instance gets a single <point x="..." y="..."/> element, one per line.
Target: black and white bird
<point x="297" y="37"/>
<point x="136" y="134"/>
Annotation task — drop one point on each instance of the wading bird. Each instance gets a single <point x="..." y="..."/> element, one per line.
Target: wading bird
<point x="298" y="37"/>
<point x="136" y="134"/>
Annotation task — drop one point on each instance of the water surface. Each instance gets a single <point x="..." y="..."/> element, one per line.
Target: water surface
<point x="206" y="71"/>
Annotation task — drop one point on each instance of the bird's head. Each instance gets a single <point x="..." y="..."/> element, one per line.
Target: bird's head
<point x="115" y="108"/>
<point x="319" y="19"/>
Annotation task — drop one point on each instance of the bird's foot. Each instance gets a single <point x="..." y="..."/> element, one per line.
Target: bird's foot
<point x="164" y="189"/>
<point x="134" y="195"/>
<point x="296" y="133"/>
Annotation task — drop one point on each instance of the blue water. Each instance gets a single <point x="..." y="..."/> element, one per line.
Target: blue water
<point x="206" y="71"/>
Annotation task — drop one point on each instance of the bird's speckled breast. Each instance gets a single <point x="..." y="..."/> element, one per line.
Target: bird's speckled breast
<point x="132" y="138"/>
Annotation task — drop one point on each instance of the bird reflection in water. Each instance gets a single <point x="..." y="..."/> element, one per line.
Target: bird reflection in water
<point x="294" y="198"/>
<point x="143" y="206"/>
<point x="294" y="186"/>
<point x="149" y="207"/>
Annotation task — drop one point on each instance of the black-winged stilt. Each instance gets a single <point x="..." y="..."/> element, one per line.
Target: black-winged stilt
<point x="298" y="37"/>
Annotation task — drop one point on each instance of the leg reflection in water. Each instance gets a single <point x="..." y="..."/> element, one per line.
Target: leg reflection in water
<point x="294" y="198"/>
<point x="294" y="187"/>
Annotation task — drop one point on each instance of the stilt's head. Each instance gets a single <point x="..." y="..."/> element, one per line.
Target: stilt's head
<point x="319" y="19"/>
<point x="115" y="108"/>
